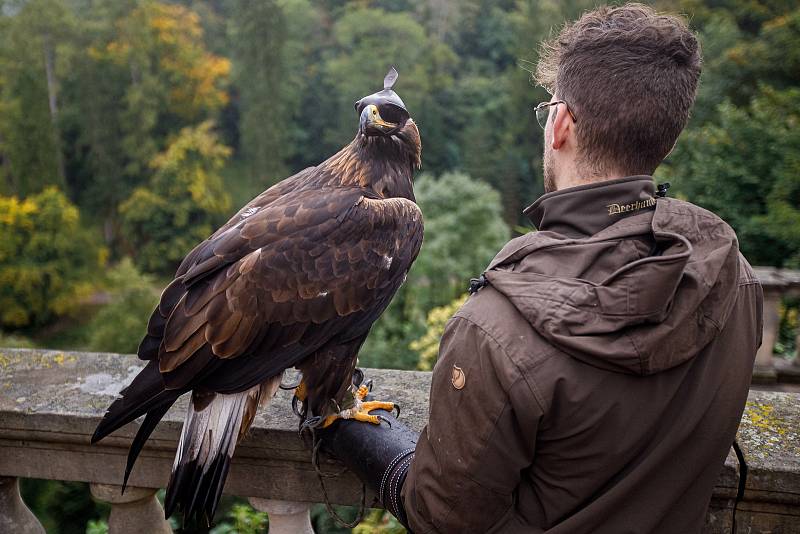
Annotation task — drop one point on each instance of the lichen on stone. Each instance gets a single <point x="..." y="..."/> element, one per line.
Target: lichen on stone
<point x="769" y="426"/>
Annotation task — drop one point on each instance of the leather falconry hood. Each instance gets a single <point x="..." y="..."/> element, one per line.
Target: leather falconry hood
<point x="385" y="97"/>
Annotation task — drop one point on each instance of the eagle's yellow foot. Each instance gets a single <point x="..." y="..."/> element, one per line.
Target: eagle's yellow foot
<point x="300" y="391"/>
<point x="299" y="396"/>
<point x="360" y="410"/>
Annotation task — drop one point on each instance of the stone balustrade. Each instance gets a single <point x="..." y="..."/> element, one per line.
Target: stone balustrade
<point x="777" y="284"/>
<point x="50" y="403"/>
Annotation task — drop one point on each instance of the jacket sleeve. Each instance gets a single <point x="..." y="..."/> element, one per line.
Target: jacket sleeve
<point x="471" y="455"/>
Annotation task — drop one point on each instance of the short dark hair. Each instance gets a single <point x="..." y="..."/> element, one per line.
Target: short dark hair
<point x="630" y="77"/>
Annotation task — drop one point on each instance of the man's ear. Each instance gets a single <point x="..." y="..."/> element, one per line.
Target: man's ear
<point x="562" y="126"/>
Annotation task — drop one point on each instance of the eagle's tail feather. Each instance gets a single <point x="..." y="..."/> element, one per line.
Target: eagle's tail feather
<point x="145" y="394"/>
<point x="213" y="426"/>
<point x="202" y="461"/>
<point x="148" y="425"/>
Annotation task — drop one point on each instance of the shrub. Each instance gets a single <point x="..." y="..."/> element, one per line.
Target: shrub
<point x="120" y="325"/>
<point x="182" y="204"/>
<point x="46" y="259"/>
<point x="428" y="345"/>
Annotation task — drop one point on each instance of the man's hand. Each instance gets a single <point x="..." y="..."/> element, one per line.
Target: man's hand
<point x="379" y="455"/>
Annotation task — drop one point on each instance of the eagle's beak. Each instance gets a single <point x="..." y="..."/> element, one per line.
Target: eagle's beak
<point x="371" y="122"/>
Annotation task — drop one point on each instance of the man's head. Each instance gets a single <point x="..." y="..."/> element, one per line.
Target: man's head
<point x="628" y="78"/>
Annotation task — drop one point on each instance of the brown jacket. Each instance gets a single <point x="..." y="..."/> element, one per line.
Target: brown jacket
<point x="596" y="383"/>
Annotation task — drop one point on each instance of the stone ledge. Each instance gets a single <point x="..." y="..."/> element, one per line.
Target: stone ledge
<point x="50" y="403"/>
<point x="779" y="280"/>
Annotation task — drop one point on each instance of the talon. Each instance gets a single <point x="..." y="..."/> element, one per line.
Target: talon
<point x="358" y="377"/>
<point x="368" y="383"/>
<point x="364" y="417"/>
<point x="361" y="410"/>
<point x="397" y="410"/>
<point x="383" y="418"/>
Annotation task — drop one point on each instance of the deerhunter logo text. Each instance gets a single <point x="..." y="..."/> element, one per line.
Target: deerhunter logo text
<point x="616" y="209"/>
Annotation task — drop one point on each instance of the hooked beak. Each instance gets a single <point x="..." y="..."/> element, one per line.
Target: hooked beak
<point x="371" y="122"/>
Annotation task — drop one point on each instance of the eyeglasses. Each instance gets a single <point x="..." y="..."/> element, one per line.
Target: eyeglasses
<point x="543" y="112"/>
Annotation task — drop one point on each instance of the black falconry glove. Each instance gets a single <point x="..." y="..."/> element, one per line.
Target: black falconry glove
<point x="379" y="455"/>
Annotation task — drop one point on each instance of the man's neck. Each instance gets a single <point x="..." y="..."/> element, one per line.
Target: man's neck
<point x="575" y="177"/>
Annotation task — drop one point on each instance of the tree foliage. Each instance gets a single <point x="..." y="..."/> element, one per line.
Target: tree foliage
<point x="739" y="156"/>
<point x="745" y="167"/>
<point x="428" y="345"/>
<point x="46" y="259"/>
<point x="274" y="50"/>
<point x="30" y="49"/>
<point x="120" y="325"/>
<point x="181" y="205"/>
<point x="172" y="77"/>
<point x="464" y="229"/>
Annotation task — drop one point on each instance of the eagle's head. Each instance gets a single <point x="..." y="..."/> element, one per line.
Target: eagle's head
<point x="382" y="113"/>
<point x="385" y="126"/>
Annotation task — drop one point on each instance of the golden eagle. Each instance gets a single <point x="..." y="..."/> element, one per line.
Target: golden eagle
<point x="295" y="278"/>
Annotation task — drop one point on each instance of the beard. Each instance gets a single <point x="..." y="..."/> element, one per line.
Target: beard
<point x="549" y="171"/>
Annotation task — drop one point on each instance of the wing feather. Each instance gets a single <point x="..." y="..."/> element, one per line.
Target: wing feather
<point x="328" y="257"/>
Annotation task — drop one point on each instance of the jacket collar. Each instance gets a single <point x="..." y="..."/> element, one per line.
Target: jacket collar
<point x="587" y="209"/>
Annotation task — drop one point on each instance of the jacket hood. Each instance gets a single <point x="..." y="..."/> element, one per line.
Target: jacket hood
<point x="620" y="279"/>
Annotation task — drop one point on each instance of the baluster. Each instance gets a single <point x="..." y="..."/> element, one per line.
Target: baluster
<point x="764" y="359"/>
<point x="285" y="517"/>
<point x="135" y="511"/>
<point x="796" y="360"/>
<point x="14" y="515"/>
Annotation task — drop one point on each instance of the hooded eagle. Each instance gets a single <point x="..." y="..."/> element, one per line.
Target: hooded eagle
<point x="295" y="279"/>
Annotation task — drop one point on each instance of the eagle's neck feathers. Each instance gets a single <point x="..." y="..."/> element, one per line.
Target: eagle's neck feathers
<point x="384" y="165"/>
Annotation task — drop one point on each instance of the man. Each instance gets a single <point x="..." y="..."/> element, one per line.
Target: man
<point x="595" y="379"/>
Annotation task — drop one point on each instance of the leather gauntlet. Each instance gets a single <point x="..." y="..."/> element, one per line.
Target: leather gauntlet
<point x="379" y="455"/>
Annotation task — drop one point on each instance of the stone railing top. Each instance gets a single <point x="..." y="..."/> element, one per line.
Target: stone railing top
<point x="775" y="279"/>
<point x="50" y="403"/>
<point x="83" y="384"/>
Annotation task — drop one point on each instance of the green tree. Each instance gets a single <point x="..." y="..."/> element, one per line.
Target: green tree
<point x="30" y="144"/>
<point x="366" y="42"/>
<point x="174" y="80"/>
<point x="428" y="345"/>
<point x="464" y="229"/>
<point x="379" y="522"/>
<point x="93" y="116"/>
<point x="46" y="259"/>
<point x="274" y="55"/>
<point x="746" y="44"/>
<point x="259" y="33"/>
<point x="242" y="519"/>
<point x="63" y="507"/>
<point x="120" y="325"/>
<point x="745" y="167"/>
<point x="182" y="204"/>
